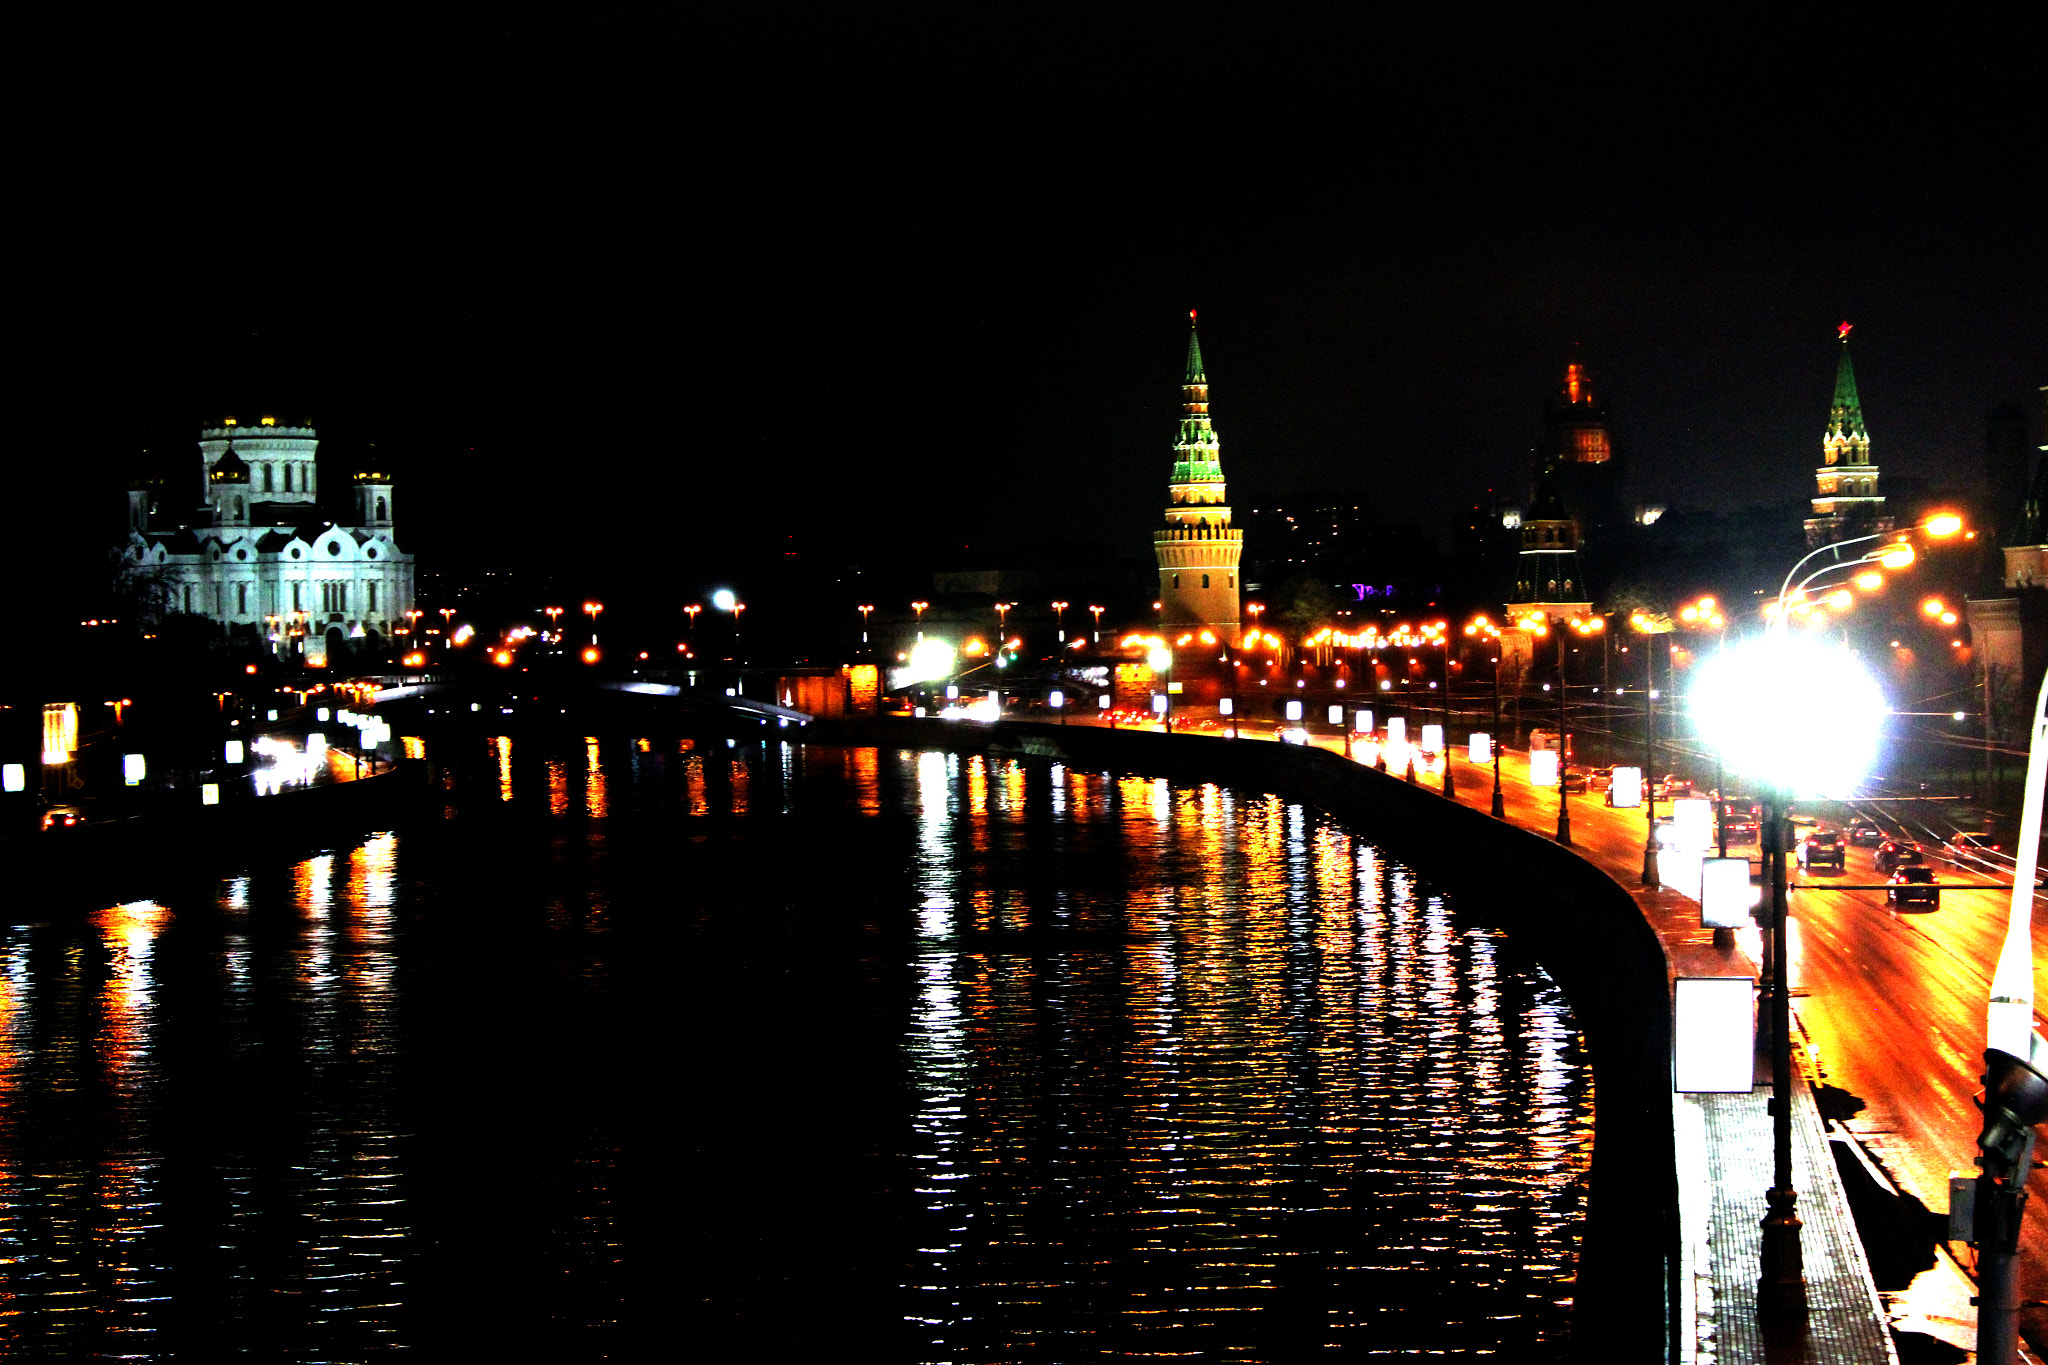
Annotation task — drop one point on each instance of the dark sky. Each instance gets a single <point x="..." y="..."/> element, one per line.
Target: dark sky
<point x="612" y="284"/>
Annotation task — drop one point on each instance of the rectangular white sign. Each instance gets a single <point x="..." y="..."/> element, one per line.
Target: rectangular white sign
<point x="1693" y="819"/>
<point x="1726" y="897"/>
<point x="1543" y="767"/>
<point x="1626" y="788"/>
<point x="1362" y="722"/>
<point x="1397" y="729"/>
<point x="1480" y="747"/>
<point x="1432" y="739"/>
<point x="1715" y="1034"/>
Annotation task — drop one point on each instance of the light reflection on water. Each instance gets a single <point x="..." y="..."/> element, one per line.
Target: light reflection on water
<point x="1275" y="1097"/>
<point x="963" y="1058"/>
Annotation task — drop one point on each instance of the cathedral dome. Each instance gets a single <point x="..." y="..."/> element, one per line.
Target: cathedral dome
<point x="230" y="468"/>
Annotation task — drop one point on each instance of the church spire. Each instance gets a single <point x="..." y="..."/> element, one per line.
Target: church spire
<point x="1848" y="502"/>
<point x="1198" y="550"/>
<point x="1847" y="440"/>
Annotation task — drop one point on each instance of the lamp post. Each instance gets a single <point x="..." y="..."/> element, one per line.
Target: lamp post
<point x="1444" y="638"/>
<point x="592" y="609"/>
<point x="1797" y="715"/>
<point x="919" y="608"/>
<point x="1059" y="619"/>
<point x="1097" y="637"/>
<point x="1650" y="624"/>
<point x="1705" y="614"/>
<point x="2015" y="1096"/>
<point x="1480" y="625"/>
<point x="691" y="611"/>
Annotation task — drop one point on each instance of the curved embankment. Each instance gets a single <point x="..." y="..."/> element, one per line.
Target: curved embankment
<point x="1586" y="931"/>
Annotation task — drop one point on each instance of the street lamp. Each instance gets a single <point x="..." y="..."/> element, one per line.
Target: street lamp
<point x="1097" y="638"/>
<point x="1059" y="617"/>
<point x="2015" y="1098"/>
<point x="864" y="610"/>
<point x="691" y="611"/>
<point x="1800" y="716"/>
<point x="1650" y="623"/>
<point x="919" y="608"/>
<point x="1480" y="625"/>
<point x="591" y="609"/>
<point x="1003" y="620"/>
<point x="1705" y="614"/>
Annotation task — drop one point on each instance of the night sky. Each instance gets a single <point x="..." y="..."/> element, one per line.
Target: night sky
<point x="618" y="286"/>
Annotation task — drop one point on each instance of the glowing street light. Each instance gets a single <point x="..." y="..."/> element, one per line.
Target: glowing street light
<point x="919" y="608"/>
<point x="864" y="611"/>
<point x="591" y="609"/>
<point x="1098" y="625"/>
<point x="691" y="611"/>
<point x="554" y="615"/>
<point x="1482" y="626"/>
<point x="1802" y="717"/>
<point x="1059" y="617"/>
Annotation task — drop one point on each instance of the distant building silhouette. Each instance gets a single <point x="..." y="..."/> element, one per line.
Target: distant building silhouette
<point x="1198" y="550"/>
<point x="1580" y="456"/>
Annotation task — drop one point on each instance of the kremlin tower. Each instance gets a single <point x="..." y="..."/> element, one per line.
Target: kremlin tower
<point x="1198" y="551"/>
<point x="1848" y="503"/>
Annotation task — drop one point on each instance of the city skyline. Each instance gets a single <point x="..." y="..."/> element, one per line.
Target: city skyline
<point x="880" y="273"/>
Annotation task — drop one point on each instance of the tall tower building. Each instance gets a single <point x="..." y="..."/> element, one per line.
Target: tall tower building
<point x="1198" y="550"/>
<point x="1548" y="577"/>
<point x="1580" y="457"/>
<point x="1847" y="501"/>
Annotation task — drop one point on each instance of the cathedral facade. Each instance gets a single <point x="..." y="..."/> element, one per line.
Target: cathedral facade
<point x="256" y="556"/>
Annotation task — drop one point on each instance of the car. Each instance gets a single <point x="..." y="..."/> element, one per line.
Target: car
<point x="1973" y="846"/>
<point x="1913" y="886"/>
<point x="1575" y="779"/>
<point x="1894" y="854"/>
<point x="1864" y="834"/>
<point x="1822" y="847"/>
<point x="1738" y="821"/>
<point x="63" y="818"/>
<point x="1671" y="786"/>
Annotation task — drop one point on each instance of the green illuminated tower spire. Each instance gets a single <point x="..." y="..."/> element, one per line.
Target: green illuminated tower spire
<point x="1199" y="550"/>
<point x="1847" y="501"/>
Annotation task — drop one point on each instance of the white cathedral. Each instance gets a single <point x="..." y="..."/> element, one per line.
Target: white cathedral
<point x="257" y="558"/>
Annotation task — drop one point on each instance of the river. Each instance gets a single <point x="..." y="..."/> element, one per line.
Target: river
<point x="638" y="1046"/>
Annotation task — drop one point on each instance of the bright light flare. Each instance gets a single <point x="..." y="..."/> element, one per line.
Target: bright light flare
<point x="1945" y="524"/>
<point x="1898" y="557"/>
<point x="1871" y="581"/>
<point x="1799" y="714"/>
<point x="930" y="660"/>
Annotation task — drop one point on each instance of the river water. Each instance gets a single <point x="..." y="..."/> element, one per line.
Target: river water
<point x="668" y="1050"/>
